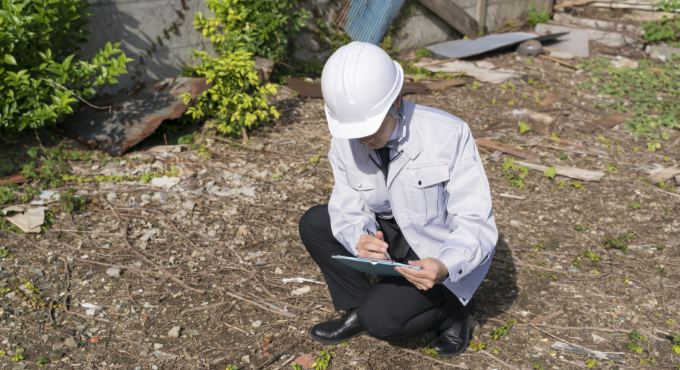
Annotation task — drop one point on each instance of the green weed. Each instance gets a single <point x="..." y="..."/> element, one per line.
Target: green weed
<point x="614" y="243"/>
<point x="523" y="127"/>
<point x="550" y="172"/>
<point x="634" y="205"/>
<point x="504" y="329"/>
<point x="591" y="364"/>
<point x="579" y="228"/>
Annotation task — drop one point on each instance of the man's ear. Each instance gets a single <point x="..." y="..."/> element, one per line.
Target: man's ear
<point x="397" y="102"/>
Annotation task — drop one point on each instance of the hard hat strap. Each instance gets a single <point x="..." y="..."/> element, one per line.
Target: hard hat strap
<point x="400" y="113"/>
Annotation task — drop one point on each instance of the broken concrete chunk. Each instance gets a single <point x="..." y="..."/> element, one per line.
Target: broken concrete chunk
<point x="189" y="205"/>
<point x="661" y="52"/>
<point x="70" y="342"/>
<point x="174" y="332"/>
<point x="561" y="55"/>
<point x="624" y="63"/>
<point x="111" y="197"/>
<point x="164" y="356"/>
<point x="160" y="197"/>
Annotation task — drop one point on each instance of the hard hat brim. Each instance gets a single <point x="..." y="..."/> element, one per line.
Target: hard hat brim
<point x="372" y="124"/>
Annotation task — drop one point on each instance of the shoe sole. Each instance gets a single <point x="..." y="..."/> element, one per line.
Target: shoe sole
<point x="467" y="336"/>
<point x="337" y="341"/>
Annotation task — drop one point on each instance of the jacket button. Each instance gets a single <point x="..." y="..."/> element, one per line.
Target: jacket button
<point x="460" y="272"/>
<point x="420" y="182"/>
<point x="358" y="185"/>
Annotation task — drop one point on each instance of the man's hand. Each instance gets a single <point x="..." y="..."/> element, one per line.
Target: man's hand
<point x="432" y="271"/>
<point x="372" y="246"/>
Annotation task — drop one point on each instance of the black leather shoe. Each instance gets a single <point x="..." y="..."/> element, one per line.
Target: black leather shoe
<point x="339" y="330"/>
<point x="454" y="340"/>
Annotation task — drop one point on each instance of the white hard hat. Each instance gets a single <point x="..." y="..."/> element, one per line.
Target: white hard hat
<point x="360" y="82"/>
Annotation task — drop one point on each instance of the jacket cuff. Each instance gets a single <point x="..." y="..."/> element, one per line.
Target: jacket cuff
<point x="456" y="262"/>
<point x="349" y="236"/>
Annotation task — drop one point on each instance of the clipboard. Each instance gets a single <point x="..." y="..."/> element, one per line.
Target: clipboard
<point x="373" y="266"/>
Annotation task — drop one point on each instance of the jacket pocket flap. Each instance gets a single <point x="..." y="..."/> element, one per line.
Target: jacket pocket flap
<point x="360" y="181"/>
<point x="428" y="176"/>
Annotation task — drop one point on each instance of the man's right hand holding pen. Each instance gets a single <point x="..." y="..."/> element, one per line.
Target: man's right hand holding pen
<point x="370" y="246"/>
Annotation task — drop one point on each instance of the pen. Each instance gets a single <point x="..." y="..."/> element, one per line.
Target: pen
<point x="373" y="235"/>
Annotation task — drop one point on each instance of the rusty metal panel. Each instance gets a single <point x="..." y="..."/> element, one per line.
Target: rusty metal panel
<point x="367" y="20"/>
<point x="133" y="117"/>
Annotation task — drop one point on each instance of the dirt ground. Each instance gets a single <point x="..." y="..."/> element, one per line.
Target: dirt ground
<point x="213" y="265"/>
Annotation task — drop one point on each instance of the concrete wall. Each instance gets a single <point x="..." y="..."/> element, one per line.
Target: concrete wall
<point x="136" y="24"/>
<point x="500" y="11"/>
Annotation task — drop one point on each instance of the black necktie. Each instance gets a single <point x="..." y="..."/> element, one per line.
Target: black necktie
<point x="384" y="154"/>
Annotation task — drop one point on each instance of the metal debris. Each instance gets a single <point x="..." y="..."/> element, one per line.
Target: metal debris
<point x="367" y="21"/>
<point x="466" y="48"/>
<point x="134" y="116"/>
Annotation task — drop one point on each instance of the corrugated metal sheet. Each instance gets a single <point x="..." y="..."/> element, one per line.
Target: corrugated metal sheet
<point x="133" y="117"/>
<point x="367" y="20"/>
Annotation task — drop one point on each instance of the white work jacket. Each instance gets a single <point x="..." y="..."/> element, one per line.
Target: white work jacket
<point x="436" y="189"/>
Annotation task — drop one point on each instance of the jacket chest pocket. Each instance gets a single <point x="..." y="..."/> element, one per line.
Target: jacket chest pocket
<point x="426" y="192"/>
<point x="367" y="184"/>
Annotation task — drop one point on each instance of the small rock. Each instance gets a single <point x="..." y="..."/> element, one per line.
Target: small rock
<point x="278" y="271"/>
<point x="105" y="245"/>
<point x="57" y="347"/>
<point x="174" y="332"/>
<point x="193" y="332"/>
<point x="257" y="324"/>
<point x="36" y="271"/>
<point x="138" y="264"/>
<point x="55" y="355"/>
<point x="245" y="359"/>
<point x="195" y="254"/>
<point x="189" y="205"/>
<point x="45" y="337"/>
<point x="70" y="342"/>
<point x="160" y="197"/>
<point x="11" y="295"/>
<point x="111" y="197"/>
<point x="157" y="346"/>
<point x="113" y="271"/>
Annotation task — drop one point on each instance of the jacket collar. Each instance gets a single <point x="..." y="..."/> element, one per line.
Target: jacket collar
<point x="407" y="140"/>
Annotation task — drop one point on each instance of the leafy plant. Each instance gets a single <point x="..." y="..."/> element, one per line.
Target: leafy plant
<point x="39" y="70"/>
<point x="322" y="361"/>
<point x="576" y="185"/>
<point x="591" y="364"/>
<point x="316" y="158"/>
<point x="676" y="343"/>
<point x="665" y="29"/>
<point x="477" y="345"/>
<point x="423" y="53"/>
<point x="42" y="361"/>
<point x="259" y="27"/>
<point x="235" y="101"/>
<point x="614" y="243"/>
<point x="551" y="172"/>
<point x="18" y="357"/>
<point x="504" y="329"/>
<point x="523" y="127"/>
<point x="634" y="205"/>
<point x="535" y="17"/>
<point x="612" y="167"/>
<point x="579" y="228"/>
<point x="72" y="203"/>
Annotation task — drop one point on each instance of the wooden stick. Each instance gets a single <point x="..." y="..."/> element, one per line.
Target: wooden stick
<point x="543" y="56"/>
<point x="546" y="317"/>
<point x="572" y="3"/>
<point x="428" y="357"/>
<point x="270" y="309"/>
<point x="497" y="359"/>
<point x="439" y="62"/>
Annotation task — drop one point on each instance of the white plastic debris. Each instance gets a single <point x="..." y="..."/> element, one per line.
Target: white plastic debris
<point x="165" y="182"/>
<point x="300" y="291"/>
<point x="91" y="308"/>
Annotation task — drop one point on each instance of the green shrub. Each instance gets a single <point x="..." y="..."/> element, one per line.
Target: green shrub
<point x="535" y="17"/>
<point x="38" y="45"/>
<point x="262" y="27"/>
<point x="235" y="100"/>
<point x="665" y="29"/>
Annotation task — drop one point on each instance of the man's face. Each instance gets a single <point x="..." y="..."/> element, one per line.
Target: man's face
<point x="382" y="136"/>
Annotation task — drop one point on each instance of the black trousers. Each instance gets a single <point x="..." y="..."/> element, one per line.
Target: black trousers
<point x="393" y="309"/>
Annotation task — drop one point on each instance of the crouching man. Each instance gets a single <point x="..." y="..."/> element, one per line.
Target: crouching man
<point x="411" y="176"/>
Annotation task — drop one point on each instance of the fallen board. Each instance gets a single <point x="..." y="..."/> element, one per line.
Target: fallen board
<point x="454" y="15"/>
<point x="517" y="152"/>
<point x="313" y="89"/>
<point x="606" y="122"/>
<point x="572" y="172"/>
<point x="664" y="175"/>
